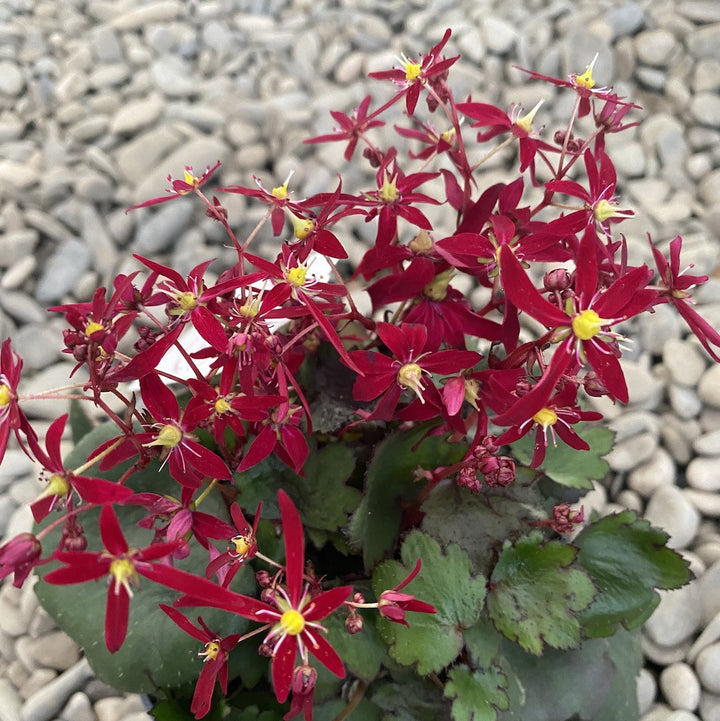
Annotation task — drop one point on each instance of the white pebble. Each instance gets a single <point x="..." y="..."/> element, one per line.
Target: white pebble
<point x="707" y="666"/>
<point x="646" y="690"/>
<point x="680" y="686"/>
<point x="669" y="509"/>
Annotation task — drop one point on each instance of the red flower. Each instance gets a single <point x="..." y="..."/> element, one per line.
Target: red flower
<point x="351" y="128"/>
<point x="303" y="688"/>
<point x="584" y="85"/>
<point x="413" y="75"/>
<point x="582" y="329"/>
<point x="179" y="187"/>
<point x="242" y="546"/>
<point x="393" y="604"/>
<point x="62" y="483"/>
<point x="676" y="286"/>
<point x="390" y="376"/>
<point x="19" y="556"/>
<point x="556" y="416"/>
<point x="277" y="198"/>
<point x="215" y="661"/>
<point x="11" y="417"/>
<point x="123" y="565"/>
<point x="295" y="613"/>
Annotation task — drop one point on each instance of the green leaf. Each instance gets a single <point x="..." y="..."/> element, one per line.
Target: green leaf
<point x="446" y="581"/>
<point x="331" y="710"/>
<point x="156" y="653"/>
<point x="80" y="423"/>
<point x="477" y="695"/>
<point x="594" y="682"/>
<point x="627" y="559"/>
<point x="481" y="522"/>
<point x="323" y="499"/>
<point x="409" y="698"/>
<point x="568" y="466"/>
<point x="482" y="642"/>
<point x="390" y="482"/>
<point x="535" y="595"/>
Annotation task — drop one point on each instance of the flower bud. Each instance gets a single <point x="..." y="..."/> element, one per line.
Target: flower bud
<point x="19" y="555"/>
<point x="263" y="578"/>
<point x="354" y="623"/>
<point x="556" y="280"/>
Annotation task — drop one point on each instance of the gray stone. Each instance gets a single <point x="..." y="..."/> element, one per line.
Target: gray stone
<point x="655" y="47"/>
<point x="707" y="502"/>
<point x="678" y="616"/>
<point x="165" y="225"/>
<point x="703" y="474"/>
<point x="700" y="11"/>
<point x="705" y="41"/>
<point x="62" y="271"/>
<point x="174" y="76"/>
<point x="705" y="108"/>
<point x="139" y="156"/>
<point x="97" y="239"/>
<point x="709" y="386"/>
<point x="12" y="80"/>
<point x="56" y="650"/>
<point x="629" y="453"/>
<point x="684" y="401"/>
<point x="18" y="273"/>
<point x="37" y="680"/>
<point x="22" y="307"/>
<point x="95" y="187"/>
<point x="16" y="245"/>
<point x="154" y="12"/>
<point x="137" y="114"/>
<point x="707" y="666"/>
<point x="53" y="377"/>
<point x="680" y="686"/>
<point x="708" y="444"/>
<point x="45" y="703"/>
<point x="10" y="702"/>
<point x="646" y="690"/>
<point x="669" y="509"/>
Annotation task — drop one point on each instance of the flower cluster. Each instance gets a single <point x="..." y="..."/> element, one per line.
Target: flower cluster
<point x="275" y="336"/>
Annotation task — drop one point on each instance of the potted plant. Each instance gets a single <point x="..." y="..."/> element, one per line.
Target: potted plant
<point x="378" y="515"/>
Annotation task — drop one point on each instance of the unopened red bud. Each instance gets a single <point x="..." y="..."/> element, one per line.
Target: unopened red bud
<point x="354" y="623"/>
<point x="265" y="649"/>
<point x="358" y="597"/>
<point x="268" y="595"/>
<point x="263" y="578"/>
<point x="558" y="279"/>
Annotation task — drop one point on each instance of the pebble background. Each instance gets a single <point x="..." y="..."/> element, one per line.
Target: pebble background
<point x="100" y="99"/>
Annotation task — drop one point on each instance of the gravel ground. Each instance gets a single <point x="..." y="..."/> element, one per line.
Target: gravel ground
<point x="100" y="99"/>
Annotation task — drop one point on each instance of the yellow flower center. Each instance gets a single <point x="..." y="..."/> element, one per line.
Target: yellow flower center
<point x="586" y="79"/>
<point x="123" y="571"/>
<point x="292" y="622"/>
<point x="187" y="301"/>
<point x="410" y="376"/>
<point x="242" y="544"/>
<point x="281" y="192"/>
<point x="527" y="120"/>
<point x="296" y="276"/>
<point x="212" y="649"/>
<point x="5" y="395"/>
<point x="250" y="308"/>
<point x="412" y="71"/>
<point x="93" y="327"/>
<point x="436" y="289"/>
<point x="587" y="324"/>
<point x="57" y="485"/>
<point x="421" y="243"/>
<point x="545" y="417"/>
<point x="604" y="209"/>
<point x="472" y="392"/>
<point x="190" y="179"/>
<point x="449" y="136"/>
<point x="302" y="227"/>
<point x="169" y="436"/>
<point x="389" y="192"/>
<point x="222" y="405"/>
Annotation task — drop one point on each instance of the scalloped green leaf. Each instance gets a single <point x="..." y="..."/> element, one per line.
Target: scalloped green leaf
<point x="390" y="482"/>
<point x="477" y="695"/>
<point x="627" y="559"/>
<point x="480" y="523"/>
<point x="568" y="466"/>
<point x="535" y="594"/>
<point x="409" y="698"/>
<point x="432" y="641"/>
